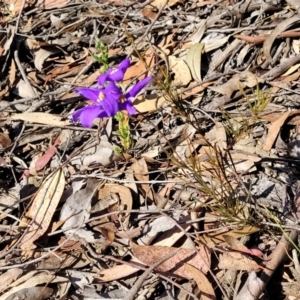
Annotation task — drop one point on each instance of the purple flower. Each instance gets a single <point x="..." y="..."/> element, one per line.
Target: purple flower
<point x="106" y="104"/>
<point x="131" y="94"/>
<point x="115" y="74"/>
<point x="108" y="99"/>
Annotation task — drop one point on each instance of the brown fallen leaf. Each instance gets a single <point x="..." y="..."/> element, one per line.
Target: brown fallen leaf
<point x="238" y="82"/>
<point x="273" y="131"/>
<point x="42" y="209"/>
<point x="237" y="261"/>
<point x="176" y="264"/>
<point x="207" y="291"/>
<point x="282" y="26"/>
<point x="140" y="168"/>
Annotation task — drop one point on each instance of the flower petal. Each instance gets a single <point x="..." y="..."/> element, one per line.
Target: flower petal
<point x="88" y="114"/>
<point x="127" y="105"/>
<point x="110" y="104"/>
<point x="89" y="93"/>
<point x="117" y="74"/>
<point x="134" y="91"/>
<point x="103" y="77"/>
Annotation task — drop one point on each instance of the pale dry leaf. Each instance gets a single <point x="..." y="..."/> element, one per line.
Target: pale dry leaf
<point x="175" y="265"/>
<point x="34" y="279"/>
<point x="10" y="37"/>
<point x="43" y="208"/>
<point x="238" y="82"/>
<point x="159" y="3"/>
<point x="198" y="34"/>
<point x="207" y="291"/>
<point x="282" y="26"/>
<point x="52" y="4"/>
<point x="8" y="277"/>
<point x="76" y="210"/>
<point x="140" y="168"/>
<point x="170" y="237"/>
<point x="24" y="91"/>
<point x="149" y="103"/>
<point x="274" y="130"/>
<point x="42" y="118"/>
<point x="237" y="261"/>
<point x="102" y="153"/>
<point x="41" y="56"/>
<point x="124" y="196"/>
<point x="214" y="40"/>
<point x="193" y="60"/>
<point x="181" y="70"/>
<point x="217" y="136"/>
<point x="118" y="272"/>
<point x="160" y="224"/>
<point x="185" y="148"/>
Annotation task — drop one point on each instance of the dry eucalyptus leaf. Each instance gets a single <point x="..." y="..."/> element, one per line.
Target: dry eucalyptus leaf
<point x="193" y="59"/>
<point x="238" y="82"/>
<point x="180" y="69"/>
<point x="30" y="280"/>
<point x="43" y="208"/>
<point x="102" y="153"/>
<point x="207" y="291"/>
<point x="175" y="265"/>
<point x="8" y="277"/>
<point x="282" y="26"/>
<point x="42" y="118"/>
<point x="76" y="209"/>
<point x="237" y="261"/>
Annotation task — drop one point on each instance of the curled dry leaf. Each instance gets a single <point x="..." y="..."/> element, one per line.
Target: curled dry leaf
<point x="76" y="209"/>
<point x="30" y="280"/>
<point x="176" y="264"/>
<point x="46" y="157"/>
<point x="124" y="196"/>
<point x="43" y="208"/>
<point x="207" y="291"/>
<point x="274" y="129"/>
<point x="8" y="277"/>
<point x="193" y="59"/>
<point x="140" y="170"/>
<point x="282" y="26"/>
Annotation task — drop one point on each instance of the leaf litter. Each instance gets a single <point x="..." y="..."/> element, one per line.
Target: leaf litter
<point x="195" y="196"/>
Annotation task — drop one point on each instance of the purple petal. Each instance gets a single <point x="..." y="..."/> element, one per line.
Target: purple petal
<point x="110" y="104"/>
<point x="88" y="114"/>
<point x="138" y="87"/>
<point x="117" y="74"/>
<point x="89" y="93"/>
<point x="125" y="64"/>
<point x="102" y="78"/>
<point x="127" y="105"/>
<point x="112" y="88"/>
